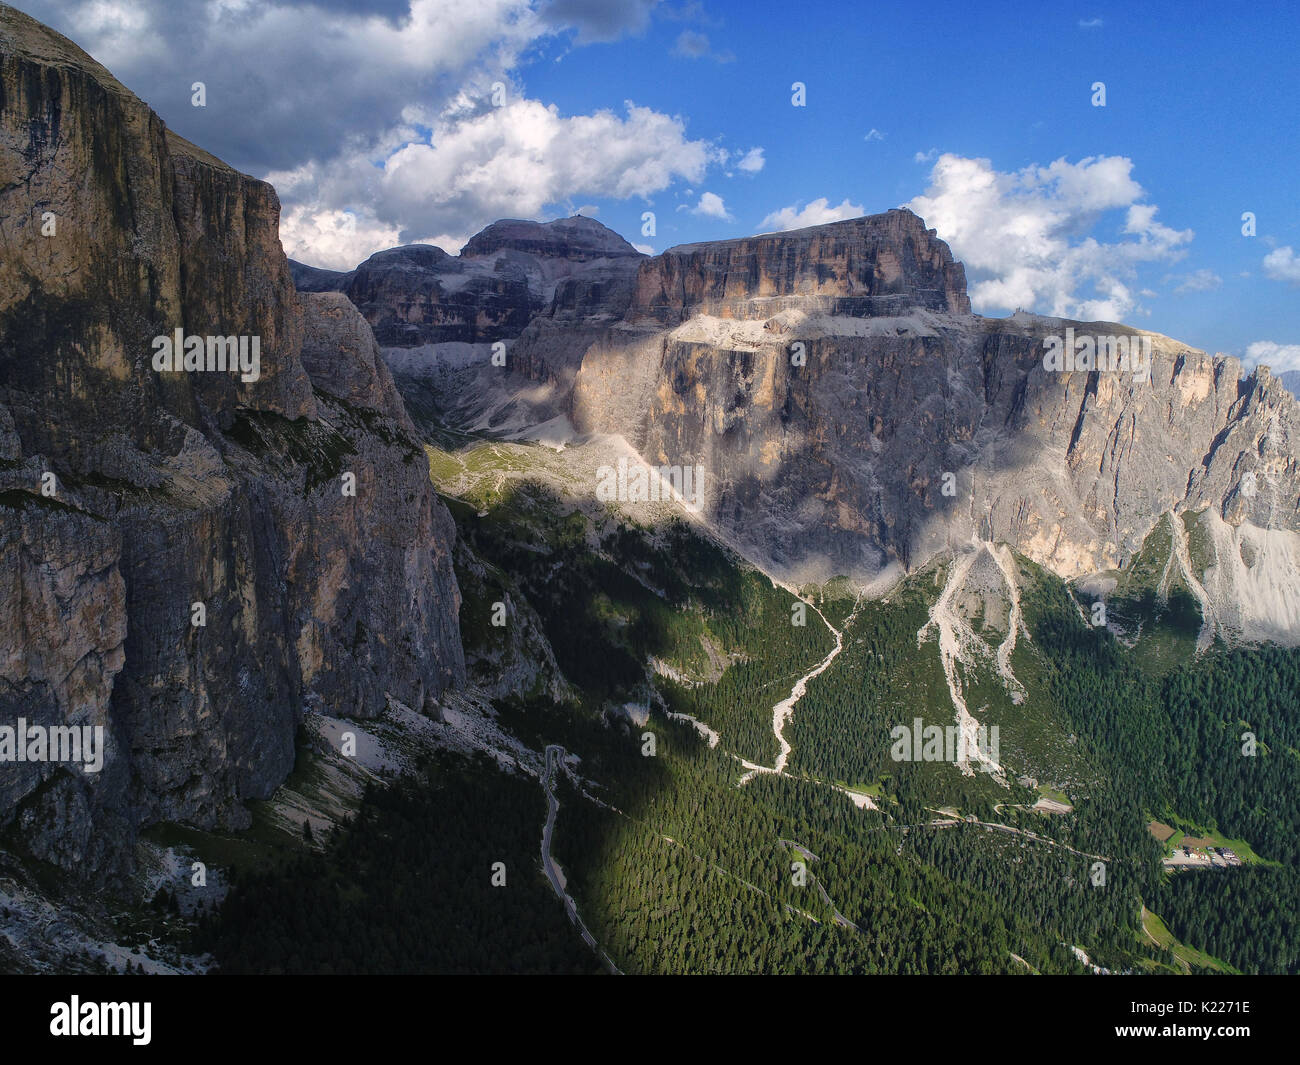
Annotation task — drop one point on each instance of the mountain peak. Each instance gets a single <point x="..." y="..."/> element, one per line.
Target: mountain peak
<point x="577" y="239"/>
<point x="882" y="264"/>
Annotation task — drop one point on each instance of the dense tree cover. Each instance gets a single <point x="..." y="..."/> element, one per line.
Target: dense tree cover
<point x="676" y="869"/>
<point x="637" y="594"/>
<point x="1211" y="705"/>
<point x="1245" y="916"/>
<point x="1177" y="742"/>
<point x="407" y="887"/>
<point x="841" y="731"/>
<point x="688" y="874"/>
<point x="1176" y="745"/>
<point x="740" y="702"/>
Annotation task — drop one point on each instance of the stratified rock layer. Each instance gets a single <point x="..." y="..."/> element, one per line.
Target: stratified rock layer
<point x="504" y="277"/>
<point x="184" y="496"/>
<point x="879" y="265"/>
<point x="853" y="417"/>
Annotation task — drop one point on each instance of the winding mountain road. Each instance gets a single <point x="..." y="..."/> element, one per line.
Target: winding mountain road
<point x="809" y="857"/>
<point x="553" y="871"/>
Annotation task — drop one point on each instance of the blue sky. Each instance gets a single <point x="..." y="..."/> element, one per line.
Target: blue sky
<point x="376" y="122"/>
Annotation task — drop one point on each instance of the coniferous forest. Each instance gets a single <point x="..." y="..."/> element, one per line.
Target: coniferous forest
<point x="676" y="867"/>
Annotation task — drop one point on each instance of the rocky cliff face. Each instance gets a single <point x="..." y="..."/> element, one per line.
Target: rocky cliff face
<point x="504" y="277"/>
<point x="899" y="438"/>
<point x="884" y="264"/>
<point x="853" y="417"/>
<point x="190" y="557"/>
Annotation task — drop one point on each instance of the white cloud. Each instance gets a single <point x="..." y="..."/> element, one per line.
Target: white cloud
<point x="711" y="206"/>
<point x="332" y="239"/>
<point x="874" y="135"/>
<point x="644" y="249"/>
<point x="289" y="81"/>
<point x="926" y="157"/>
<point x="509" y="161"/>
<point x="752" y="161"/>
<point x="1090" y="23"/>
<point x="1278" y="357"/>
<point x="1198" y="281"/>
<point x="692" y="44"/>
<point x="817" y="213"/>
<point x="1282" y="264"/>
<point x="599" y="20"/>
<point x="1025" y="237"/>
<point x="335" y="101"/>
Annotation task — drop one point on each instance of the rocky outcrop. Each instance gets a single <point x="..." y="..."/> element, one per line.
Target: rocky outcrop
<point x="853" y="417"/>
<point x="313" y="279"/>
<point x="340" y="354"/>
<point x="899" y="439"/>
<point x="503" y="278"/>
<point x="211" y="552"/>
<point x="881" y="265"/>
<point x="511" y="661"/>
<point x="574" y="240"/>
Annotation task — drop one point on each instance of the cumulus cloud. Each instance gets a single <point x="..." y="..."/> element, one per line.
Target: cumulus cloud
<point x="711" y="206"/>
<point x="289" y="80"/>
<point x="1282" y="264"/>
<point x="817" y="213"/>
<point x="1280" y="358"/>
<point x="1198" y="281"/>
<point x="1026" y="237"/>
<point x="752" y="161"/>
<point x="874" y="135"/>
<point x="333" y="239"/>
<point x="506" y="161"/>
<point x="926" y="157"/>
<point x="375" y="118"/>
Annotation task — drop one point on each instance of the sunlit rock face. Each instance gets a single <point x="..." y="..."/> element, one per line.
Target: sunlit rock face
<point x="170" y="491"/>
<point x="876" y="266"/>
<point x="853" y="417"/>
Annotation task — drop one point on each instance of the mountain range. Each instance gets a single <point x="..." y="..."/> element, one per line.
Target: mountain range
<point x="385" y="549"/>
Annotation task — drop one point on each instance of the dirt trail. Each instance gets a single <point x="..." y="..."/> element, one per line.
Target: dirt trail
<point x="782" y="711"/>
<point x="699" y="726"/>
<point x="553" y="872"/>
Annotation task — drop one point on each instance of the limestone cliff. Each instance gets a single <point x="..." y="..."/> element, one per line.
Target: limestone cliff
<point x="504" y="277"/>
<point x="879" y="265"/>
<point x="180" y="487"/>
<point x="853" y="417"/>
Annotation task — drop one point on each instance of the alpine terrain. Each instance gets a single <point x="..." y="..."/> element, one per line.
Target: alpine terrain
<point x="749" y="607"/>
